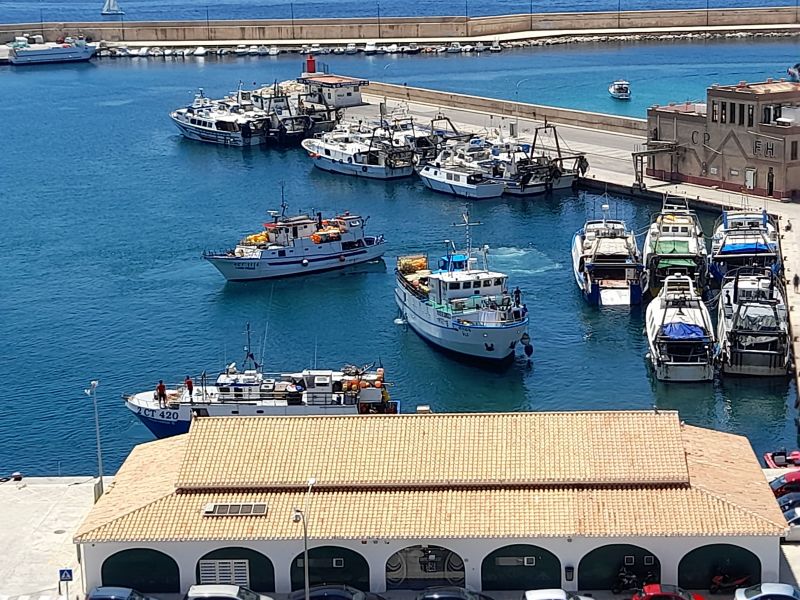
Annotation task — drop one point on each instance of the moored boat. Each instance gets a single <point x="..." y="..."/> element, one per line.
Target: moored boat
<point x="607" y="263"/>
<point x="462" y="307"/>
<point x="679" y="333"/>
<point x="781" y="459"/>
<point x="753" y="325"/>
<point x="71" y="50"/>
<point x="744" y="238"/>
<point x="221" y="122"/>
<point x="299" y="245"/>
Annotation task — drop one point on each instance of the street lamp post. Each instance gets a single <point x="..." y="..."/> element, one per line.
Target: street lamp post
<point x="516" y="102"/>
<point x="291" y="11"/>
<point x="530" y="12"/>
<point x="379" y="19"/>
<point x="299" y="516"/>
<point x="619" y="14"/>
<point x="707" y="1"/>
<point x="92" y="391"/>
<point x="208" y="26"/>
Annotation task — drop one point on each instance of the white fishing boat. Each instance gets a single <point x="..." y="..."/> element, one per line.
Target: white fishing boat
<point x="744" y="238"/>
<point x="607" y="263"/>
<point x="299" y="245"/>
<point x="351" y="151"/>
<point x="495" y="47"/>
<point x="249" y="391"/>
<point x="679" y="333"/>
<point x="674" y="245"/>
<point x="452" y="175"/>
<point x="111" y="7"/>
<point x="460" y="306"/>
<point x="22" y="53"/>
<point x="222" y="122"/>
<point x="753" y="325"/>
<point x="370" y="48"/>
<point x="288" y="125"/>
<point x="480" y="47"/>
<point x="620" y="90"/>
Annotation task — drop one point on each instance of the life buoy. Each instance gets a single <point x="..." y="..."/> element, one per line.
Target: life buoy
<point x="305" y="262"/>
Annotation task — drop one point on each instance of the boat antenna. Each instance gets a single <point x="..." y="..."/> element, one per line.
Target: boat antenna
<point x="266" y="326"/>
<point x="467" y="224"/>
<point x="605" y="208"/>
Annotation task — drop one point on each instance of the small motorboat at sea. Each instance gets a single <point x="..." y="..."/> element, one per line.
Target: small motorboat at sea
<point x="753" y="324"/>
<point x="620" y="90"/>
<point x="744" y="238"/>
<point x="299" y="245"/>
<point x="607" y="263"/>
<point x="679" y="333"/>
<point x="674" y="245"/>
<point x="249" y="391"/>
<point x="781" y="459"/>
<point x="460" y="306"/>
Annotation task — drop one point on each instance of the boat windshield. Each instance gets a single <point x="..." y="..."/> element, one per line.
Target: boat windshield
<point x="775" y="484"/>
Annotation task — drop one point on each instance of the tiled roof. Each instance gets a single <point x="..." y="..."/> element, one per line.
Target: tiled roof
<point x="725" y="494"/>
<point x="439" y="449"/>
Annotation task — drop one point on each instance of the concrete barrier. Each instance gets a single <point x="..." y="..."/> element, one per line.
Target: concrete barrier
<point x="561" y="116"/>
<point x="401" y="28"/>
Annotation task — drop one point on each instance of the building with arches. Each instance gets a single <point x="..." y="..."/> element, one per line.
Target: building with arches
<point x="506" y="501"/>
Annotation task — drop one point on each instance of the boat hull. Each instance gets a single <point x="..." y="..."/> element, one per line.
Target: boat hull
<point x="490" y="344"/>
<point x="369" y="171"/>
<point x="51" y="56"/>
<point x="597" y="294"/>
<point x="479" y="192"/>
<point x="235" y="268"/>
<point x="666" y="371"/>
<point x="754" y="364"/>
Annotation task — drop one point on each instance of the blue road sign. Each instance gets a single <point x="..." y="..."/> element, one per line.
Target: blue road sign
<point x="65" y="574"/>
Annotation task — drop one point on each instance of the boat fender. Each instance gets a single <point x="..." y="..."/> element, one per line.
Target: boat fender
<point x="341" y="258"/>
<point x="305" y="262"/>
<point x="528" y="350"/>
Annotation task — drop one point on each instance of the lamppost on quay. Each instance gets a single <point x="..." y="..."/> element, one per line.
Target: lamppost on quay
<point x="379" y="19"/>
<point x="291" y="12"/>
<point x="92" y="392"/>
<point x="516" y="102"/>
<point x="299" y="516"/>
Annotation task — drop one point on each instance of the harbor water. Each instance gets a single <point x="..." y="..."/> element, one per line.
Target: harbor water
<point x="107" y="210"/>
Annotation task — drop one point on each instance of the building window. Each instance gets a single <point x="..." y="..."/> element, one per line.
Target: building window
<point x="723" y="112"/>
<point x="714" y="111"/>
<point x="794" y="151"/>
<point x="732" y="120"/>
<point x="765" y="114"/>
<point x="741" y="114"/>
<point x="750" y="111"/>
<point x="226" y="572"/>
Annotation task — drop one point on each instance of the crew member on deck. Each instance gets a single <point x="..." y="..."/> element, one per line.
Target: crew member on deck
<point x="161" y="393"/>
<point x="189" y="385"/>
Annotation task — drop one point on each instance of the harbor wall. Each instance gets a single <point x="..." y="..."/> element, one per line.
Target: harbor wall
<point x="402" y="28"/>
<point x="510" y="109"/>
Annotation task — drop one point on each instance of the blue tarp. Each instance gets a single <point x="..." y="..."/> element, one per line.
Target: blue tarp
<point x="750" y="248"/>
<point x="683" y="331"/>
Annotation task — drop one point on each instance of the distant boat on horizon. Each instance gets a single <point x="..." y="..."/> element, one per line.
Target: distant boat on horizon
<point x="111" y="8"/>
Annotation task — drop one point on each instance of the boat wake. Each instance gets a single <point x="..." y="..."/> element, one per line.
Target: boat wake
<point x="523" y="261"/>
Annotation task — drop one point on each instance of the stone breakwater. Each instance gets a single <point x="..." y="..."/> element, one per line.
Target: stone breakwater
<point x="664" y="37"/>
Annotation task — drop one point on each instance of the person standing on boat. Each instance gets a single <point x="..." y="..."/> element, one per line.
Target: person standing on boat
<point x="161" y="393"/>
<point x="517" y="296"/>
<point x="189" y="386"/>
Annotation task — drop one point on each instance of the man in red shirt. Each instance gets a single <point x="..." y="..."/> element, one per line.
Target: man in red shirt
<point x="189" y="385"/>
<point x="161" y="393"/>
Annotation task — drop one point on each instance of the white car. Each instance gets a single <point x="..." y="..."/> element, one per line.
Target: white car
<point x="553" y="594"/>
<point x="771" y="591"/>
<point x="223" y="592"/>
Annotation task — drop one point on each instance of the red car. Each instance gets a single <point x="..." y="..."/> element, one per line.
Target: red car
<point x="786" y="484"/>
<point x="657" y="591"/>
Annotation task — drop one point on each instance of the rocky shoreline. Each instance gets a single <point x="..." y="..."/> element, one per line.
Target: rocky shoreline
<point x="663" y="37"/>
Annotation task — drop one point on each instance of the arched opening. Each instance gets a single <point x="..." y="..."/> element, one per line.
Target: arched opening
<point x="520" y="567"/>
<point x="331" y="565"/>
<point x="418" y="567"/>
<point x="701" y="564"/>
<point x="237" y="566"/>
<point x="142" y="569"/>
<point x="599" y="568"/>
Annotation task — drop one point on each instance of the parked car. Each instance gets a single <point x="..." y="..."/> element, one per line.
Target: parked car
<point x="451" y="593"/>
<point x="552" y="594"/>
<point x="786" y="484"/>
<point x="107" y="592"/>
<point x="222" y="592"/>
<point x="658" y="591"/>
<point x="789" y="501"/>
<point x="768" y="591"/>
<point x="334" y="592"/>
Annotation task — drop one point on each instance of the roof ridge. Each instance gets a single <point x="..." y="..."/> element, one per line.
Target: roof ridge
<point x="522" y="413"/>
<point x="751" y="512"/>
<point x="77" y="537"/>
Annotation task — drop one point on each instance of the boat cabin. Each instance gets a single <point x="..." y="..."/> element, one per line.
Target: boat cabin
<point x="334" y="91"/>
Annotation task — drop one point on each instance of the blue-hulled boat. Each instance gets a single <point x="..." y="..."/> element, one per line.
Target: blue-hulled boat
<point x="744" y="238"/>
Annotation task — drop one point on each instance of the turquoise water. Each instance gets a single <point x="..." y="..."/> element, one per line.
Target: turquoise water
<point x="106" y="211"/>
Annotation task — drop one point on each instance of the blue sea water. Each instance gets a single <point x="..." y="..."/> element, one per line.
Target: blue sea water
<point x="106" y="210"/>
<point x="31" y="11"/>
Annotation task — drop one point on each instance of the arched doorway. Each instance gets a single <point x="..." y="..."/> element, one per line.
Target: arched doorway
<point x="237" y="566"/>
<point x="142" y="569"/>
<point x="698" y="566"/>
<point x="520" y="567"/>
<point x="418" y="567"/>
<point x="331" y="565"/>
<point x="599" y="568"/>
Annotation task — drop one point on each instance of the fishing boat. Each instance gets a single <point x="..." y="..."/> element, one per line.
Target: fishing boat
<point x="607" y="263"/>
<point x="674" y="245"/>
<point x="781" y="459"/>
<point x="679" y="333"/>
<point x="287" y="124"/>
<point x="111" y="7"/>
<point x="354" y="151"/>
<point x="620" y="90"/>
<point x="21" y="53"/>
<point x="753" y="325"/>
<point x="744" y="238"/>
<point x="495" y="47"/>
<point x="462" y="307"/>
<point x="249" y="391"/>
<point x="221" y="122"/>
<point x="794" y="72"/>
<point x="299" y="245"/>
<point x="460" y="181"/>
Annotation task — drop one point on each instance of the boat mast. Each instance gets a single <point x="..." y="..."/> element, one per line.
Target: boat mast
<point x="468" y="234"/>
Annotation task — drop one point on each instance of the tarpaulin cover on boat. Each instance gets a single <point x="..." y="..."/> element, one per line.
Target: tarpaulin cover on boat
<point x="745" y="248"/>
<point x="683" y="331"/>
<point x="666" y="247"/>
